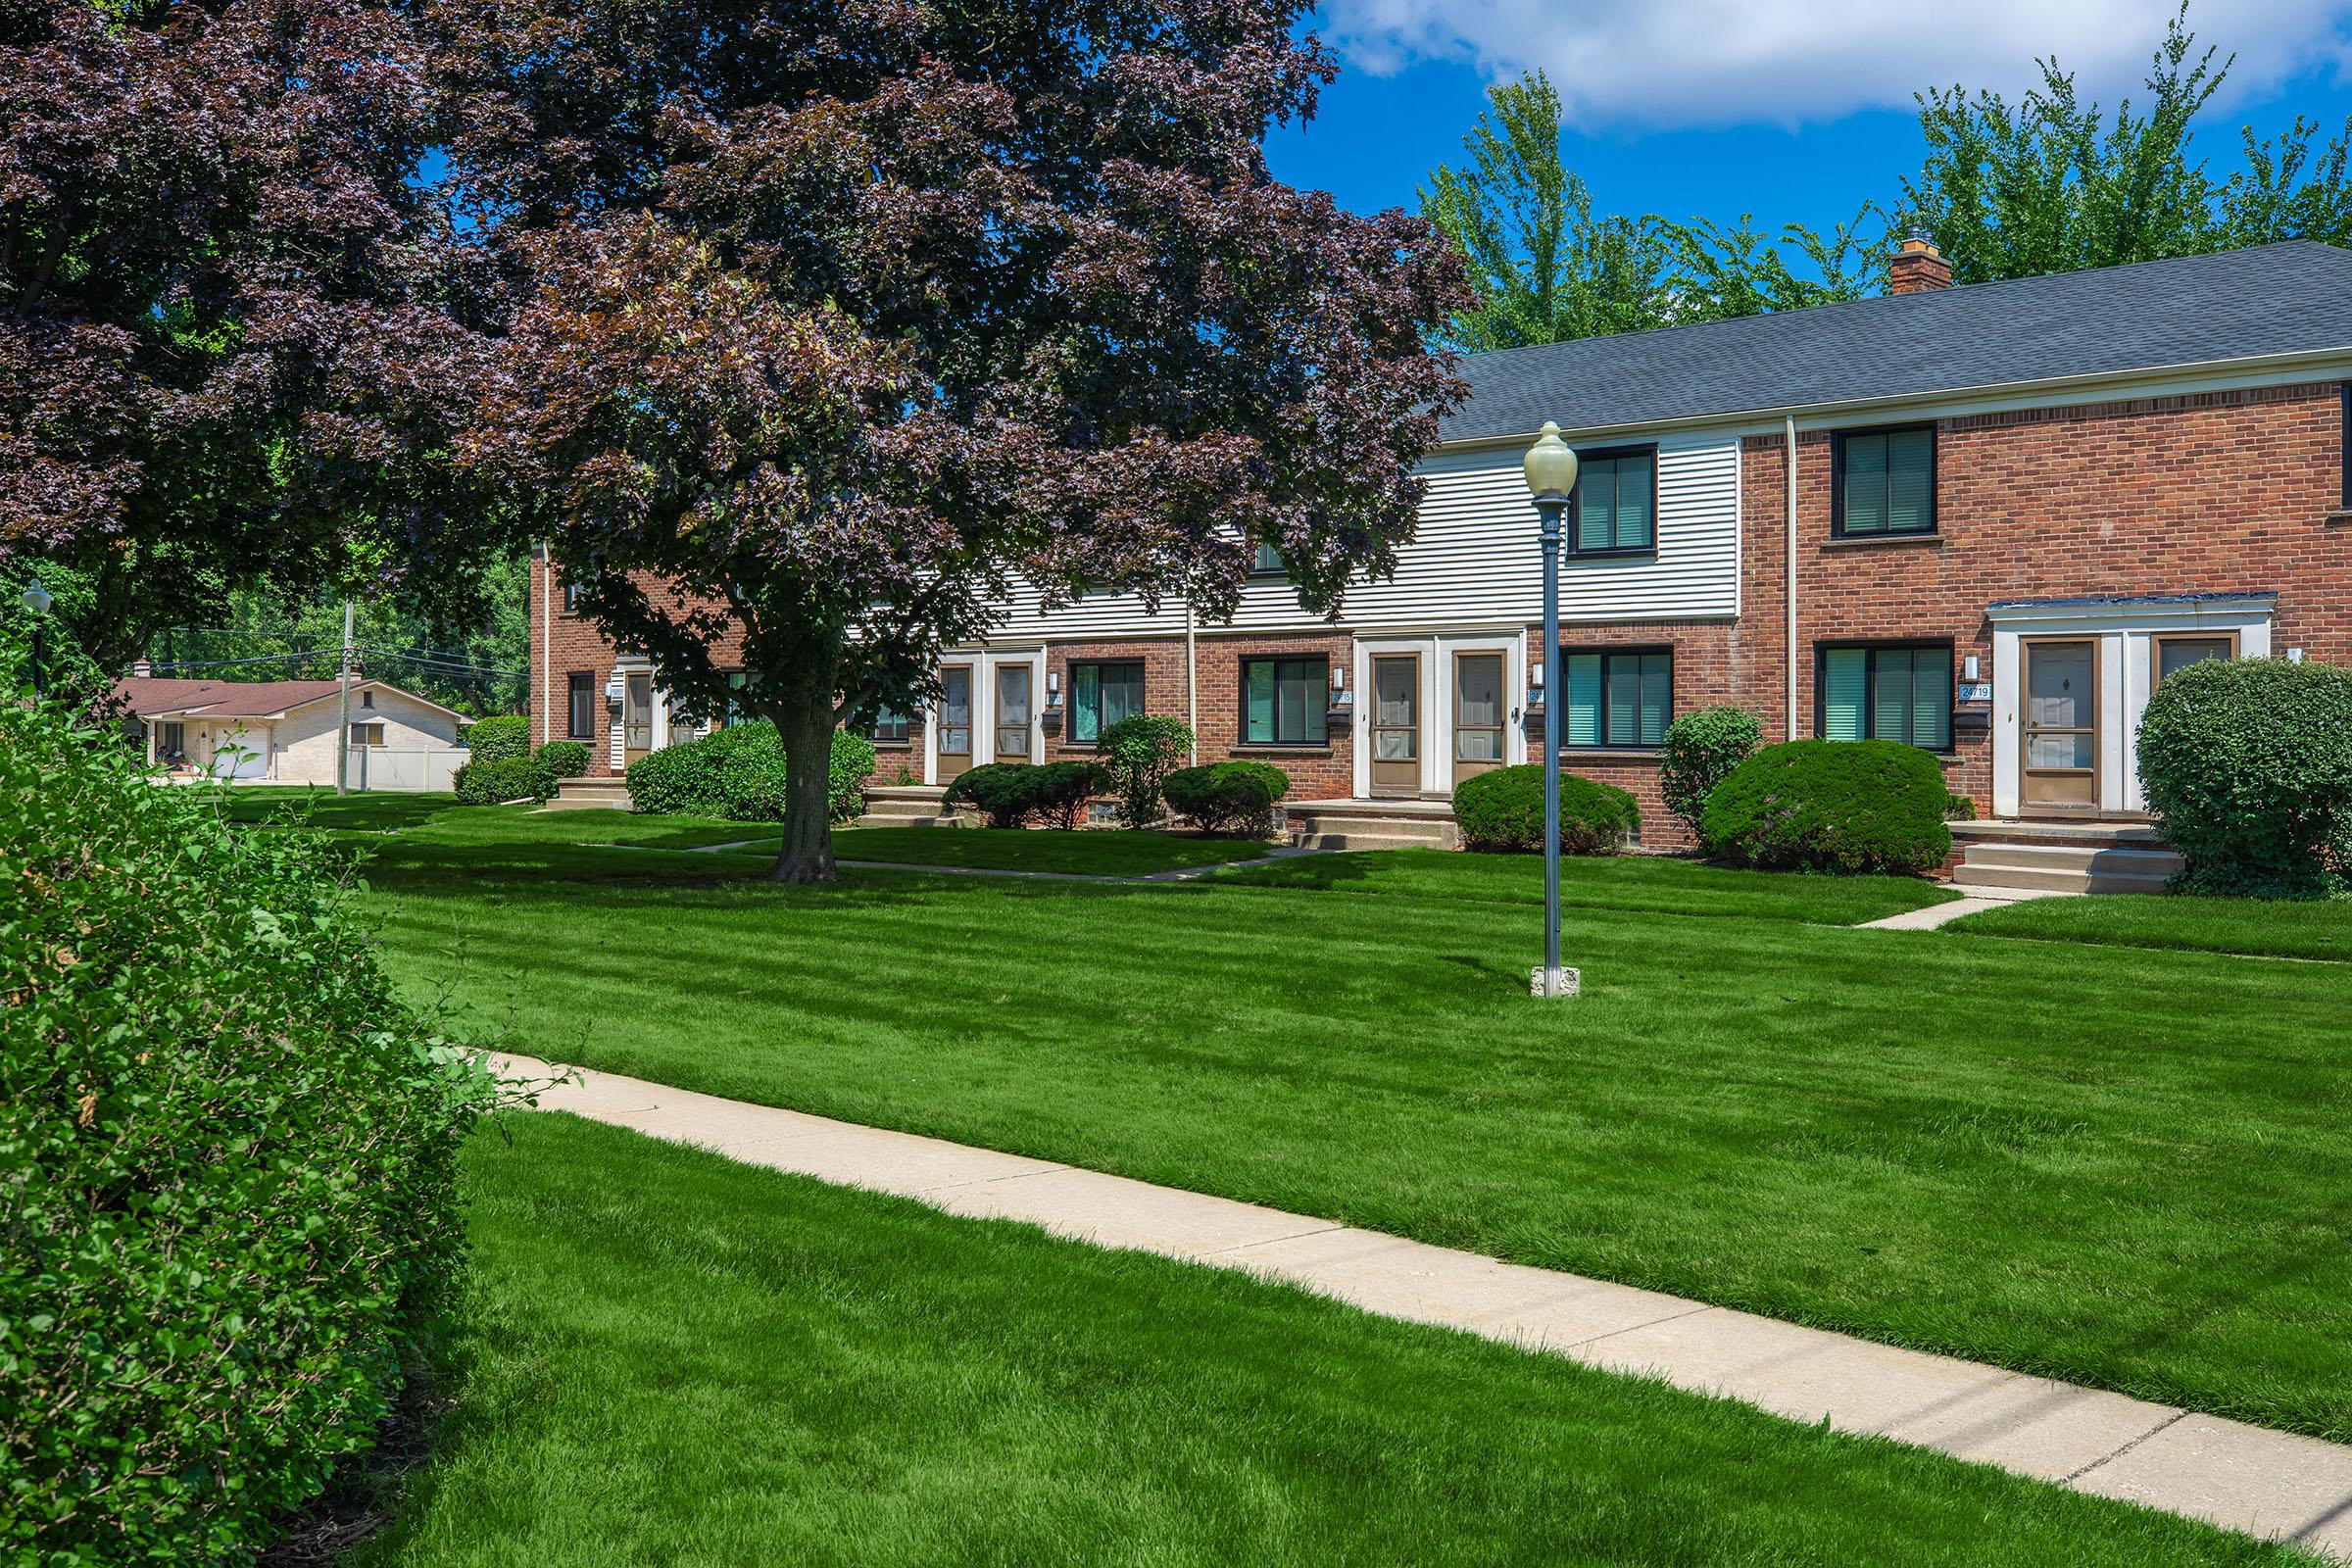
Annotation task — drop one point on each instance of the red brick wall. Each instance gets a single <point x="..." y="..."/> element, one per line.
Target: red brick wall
<point x="2219" y="492"/>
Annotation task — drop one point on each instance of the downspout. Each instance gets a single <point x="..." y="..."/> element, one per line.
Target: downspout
<point x="1788" y="679"/>
<point x="1192" y="681"/>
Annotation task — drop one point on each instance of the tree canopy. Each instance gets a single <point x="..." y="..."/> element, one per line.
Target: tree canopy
<point x="2050" y="183"/>
<point x="843" y="318"/>
<point x="233" y="323"/>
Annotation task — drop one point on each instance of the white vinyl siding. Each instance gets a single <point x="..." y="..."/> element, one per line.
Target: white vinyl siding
<point x="1475" y="561"/>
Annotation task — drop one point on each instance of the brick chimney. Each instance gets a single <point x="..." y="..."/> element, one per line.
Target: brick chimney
<point x="1917" y="266"/>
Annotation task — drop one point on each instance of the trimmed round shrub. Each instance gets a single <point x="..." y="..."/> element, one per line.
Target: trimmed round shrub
<point x="1699" y="752"/>
<point x="559" y="760"/>
<point x="1501" y="810"/>
<point x="1832" y="806"/>
<point x="228" y="1165"/>
<point x="495" y="780"/>
<point x="1061" y="790"/>
<point x="737" y="774"/>
<point x="1141" y="752"/>
<point x="2247" y="764"/>
<point x="1005" y="791"/>
<point x="495" y="740"/>
<point x="1237" y="798"/>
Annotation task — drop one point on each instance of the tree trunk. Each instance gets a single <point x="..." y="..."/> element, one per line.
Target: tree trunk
<point x="805" y="720"/>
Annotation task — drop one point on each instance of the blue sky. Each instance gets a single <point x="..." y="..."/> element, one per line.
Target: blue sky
<point x="1783" y="115"/>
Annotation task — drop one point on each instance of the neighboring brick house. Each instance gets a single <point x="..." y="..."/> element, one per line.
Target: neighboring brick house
<point x="2017" y="505"/>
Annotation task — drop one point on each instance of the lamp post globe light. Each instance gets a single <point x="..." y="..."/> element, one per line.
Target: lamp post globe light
<point x="36" y="599"/>
<point x="1550" y="469"/>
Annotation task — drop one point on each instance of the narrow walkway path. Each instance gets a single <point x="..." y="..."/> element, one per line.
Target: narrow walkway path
<point x="1936" y="914"/>
<point x="2270" y="1484"/>
<point x="1181" y="873"/>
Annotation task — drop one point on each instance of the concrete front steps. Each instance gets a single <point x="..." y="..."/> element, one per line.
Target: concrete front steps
<point x="1377" y="824"/>
<point x="2022" y="859"/>
<point x="907" y="805"/>
<point x="580" y="793"/>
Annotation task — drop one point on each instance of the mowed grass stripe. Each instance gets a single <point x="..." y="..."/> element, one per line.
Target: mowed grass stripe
<point x="2124" y="1168"/>
<point x="674" y="1359"/>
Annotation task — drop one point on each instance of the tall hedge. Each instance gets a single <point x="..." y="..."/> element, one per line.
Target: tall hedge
<point x="2247" y="764"/>
<point x="505" y="738"/>
<point x="737" y="774"/>
<point x="1832" y="806"/>
<point x="229" y="1201"/>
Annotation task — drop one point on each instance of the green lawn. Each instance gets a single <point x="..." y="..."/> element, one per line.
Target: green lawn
<point x="678" y="1361"/>
<point x="2124" y="1167"/>
<point x="2269" y="928"/>
<point x="1096" y="852"/>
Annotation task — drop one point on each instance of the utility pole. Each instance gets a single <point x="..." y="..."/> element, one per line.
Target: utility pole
<point x="343" y="709"/>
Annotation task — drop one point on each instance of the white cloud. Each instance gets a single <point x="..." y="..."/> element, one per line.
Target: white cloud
<point x="1669" y="62"/>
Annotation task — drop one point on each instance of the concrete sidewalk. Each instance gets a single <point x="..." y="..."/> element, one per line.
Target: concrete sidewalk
<point x="2269" y="1483"/>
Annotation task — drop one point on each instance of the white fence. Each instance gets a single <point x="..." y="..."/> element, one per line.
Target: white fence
<point x="380" y="767"/>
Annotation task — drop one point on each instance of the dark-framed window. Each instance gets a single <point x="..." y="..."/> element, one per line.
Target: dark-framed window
<point x="367" y="734"/>
<point x="170" y="741"/>
<point x="1268" y="561"/>
<point x="1884" y="691"/>
<point x="732" y="710"/>
<point x="1616" y="506"/>
<point x="2344" y="496"/>
<point x="1617" y="698"/>
<point x="1102" y="691"/>
<point x="1883" y="482"/>
<point x="571" y="599"/>
<point x="579" y="719"/>
<point x="889" y="727"/>
<point x="1285" y="702"/>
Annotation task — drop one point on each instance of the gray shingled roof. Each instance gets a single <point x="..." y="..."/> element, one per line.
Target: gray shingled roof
<point x="2191" y="310"/>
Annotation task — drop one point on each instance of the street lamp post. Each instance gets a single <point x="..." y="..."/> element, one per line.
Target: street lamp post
<point x="36" y="599"/>
<point x="1550" y="469"/>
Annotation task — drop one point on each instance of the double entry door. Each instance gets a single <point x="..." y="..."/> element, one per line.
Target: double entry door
<point x="1012" y="716"/>
<point x="1476" y="708"/>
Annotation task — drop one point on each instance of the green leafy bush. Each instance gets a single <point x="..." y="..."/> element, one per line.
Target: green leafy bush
<point x="1061" y="791"/>
<point x="498" y="779"/>
<point x="737" y="774"/>
<point x="496" y="740"/>
<point x="1007" y="792"/>
<point x="1503" y="810"/>
<point x="2247" y="764"/>
<point x="1699" y="752"/>
<point x="557" y="762"/>
<point x="228" y="1165"/>
<point x="1228" y="797"/>
<point x="1832" y="806"/>
<point x="1141" y="752"/>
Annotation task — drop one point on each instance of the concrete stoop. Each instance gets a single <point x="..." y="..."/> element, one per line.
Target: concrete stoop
<point x="2021" y="859"/>
<point x="581" y="794"/>
<point x="907" y="805"/>
<point x="1359" y="824"/>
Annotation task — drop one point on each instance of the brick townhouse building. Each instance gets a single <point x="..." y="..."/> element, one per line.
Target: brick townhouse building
<point x="1985" y="520"/>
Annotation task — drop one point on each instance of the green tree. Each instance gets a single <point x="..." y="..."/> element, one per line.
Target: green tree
<point x="2052" y="183"/>
<point x="1546" y="268"/>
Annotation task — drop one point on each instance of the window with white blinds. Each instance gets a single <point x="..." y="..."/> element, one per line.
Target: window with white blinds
<point x="1618" y="698"/>
<point x="1888" y="693"/>
<point x="1886" y="482"/>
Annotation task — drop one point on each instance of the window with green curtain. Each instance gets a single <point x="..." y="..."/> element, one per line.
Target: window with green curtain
<point x="1102" y="694"/>
<point x="1618" y="698"/>
<point x="1616" y="502"/>
<point x="1892" y="693"/>
<point x="1285" y="702"/>
<point x="1887" y="482"/>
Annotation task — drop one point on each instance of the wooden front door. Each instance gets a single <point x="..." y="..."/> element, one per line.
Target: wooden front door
<point x="636" y="717"/>
<point x="2059" y="748"/>
<point x="954" y="720"/>
<point x="1395" y="723"/>
<point x="1477" y="714"/>
<point x="1012" y="712"/>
